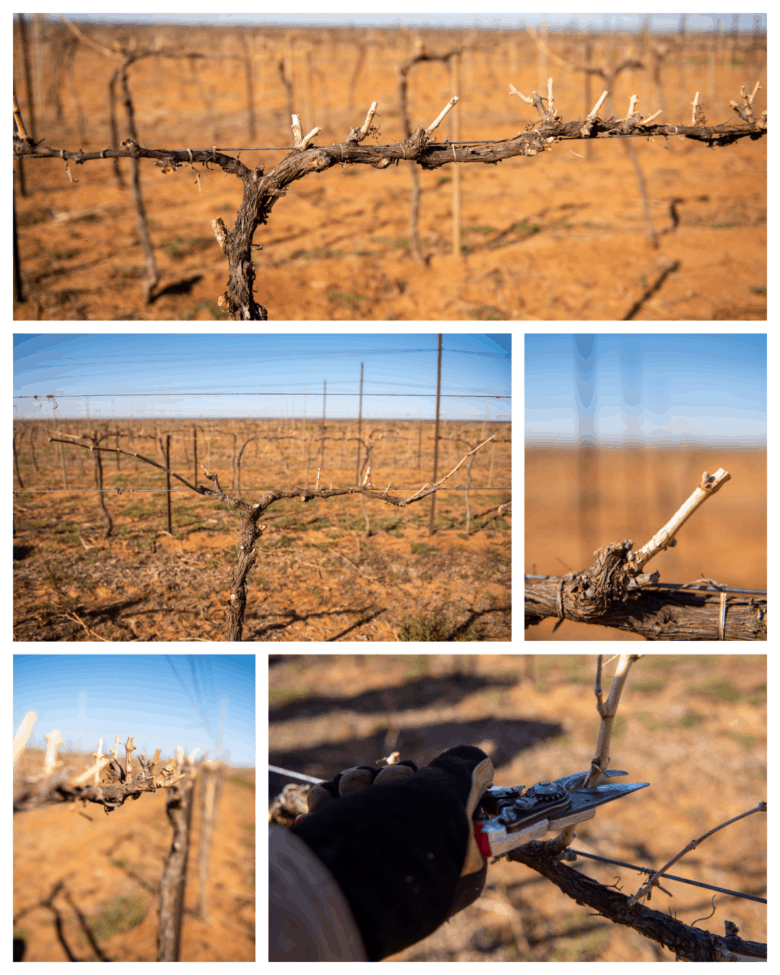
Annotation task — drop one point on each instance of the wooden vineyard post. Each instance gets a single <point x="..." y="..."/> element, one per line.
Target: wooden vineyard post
<point x="96" y="438"/>
<point x="151" y="277"/>
<point x="436" y="440"/>
<point x="168" y="481"/>
<point x="233" y="462"/>
<point x="322" y="446"/>
<point x="248" y="43"/>
<point x="588" y="95"/>
<point x="62" y="458"/>
<point x="32" y="451"/>
<point x="18" y="286"/>
<point x="303" y="426"/>
<point x="454" y="137"/>
<point x="16" y="463"/>
<point x="210" y="793"/>
<point x="360" y="427"/>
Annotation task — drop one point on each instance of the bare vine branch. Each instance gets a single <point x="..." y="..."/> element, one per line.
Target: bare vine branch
<point x="688" y="943"/>
<point x="608" y="713"/>
<point x="263" y="190"/>
<point x="646" y="890"/>
<point x="418" y="149"/>
<point x="709" y="485"/>
<point x="56" y="785"/>
<point x="600" y="761"/>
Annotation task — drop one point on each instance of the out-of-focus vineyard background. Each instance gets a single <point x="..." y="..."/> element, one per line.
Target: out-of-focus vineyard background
<point x="693" y="726"/>
<point x="619" y="429"/>
<point x="560" y="236"/>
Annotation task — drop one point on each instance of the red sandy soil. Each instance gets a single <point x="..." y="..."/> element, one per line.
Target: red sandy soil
<point x="632" y="494"/>
<point x="78" y="878"/>
<point x="553" y="237"/>
<point x="693" y="726"/>
<point x="317" y="576"/>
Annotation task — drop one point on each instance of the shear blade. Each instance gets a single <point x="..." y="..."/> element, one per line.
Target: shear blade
<point x="587" y="799"/>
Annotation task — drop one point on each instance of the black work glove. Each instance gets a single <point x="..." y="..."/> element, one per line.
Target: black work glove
<point x="400" y="843"/>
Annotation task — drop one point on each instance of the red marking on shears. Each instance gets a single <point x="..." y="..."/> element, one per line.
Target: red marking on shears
<point x="482" y="840"/>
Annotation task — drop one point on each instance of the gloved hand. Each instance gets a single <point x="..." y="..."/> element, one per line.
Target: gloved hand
<point x="400" y="843"/>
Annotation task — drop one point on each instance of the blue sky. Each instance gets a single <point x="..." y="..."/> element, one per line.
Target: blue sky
<point x="512" y="18"/>
<point x="638" y="389"/>
<point x="131" y="372"/>
<point x="89" y="697"/>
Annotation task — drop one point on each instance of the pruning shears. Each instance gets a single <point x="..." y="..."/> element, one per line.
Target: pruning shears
<point x="507" y="817"/>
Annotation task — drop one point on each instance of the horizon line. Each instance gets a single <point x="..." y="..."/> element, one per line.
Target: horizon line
<point x="747" y="443"/>
<point x="570" y="27"/>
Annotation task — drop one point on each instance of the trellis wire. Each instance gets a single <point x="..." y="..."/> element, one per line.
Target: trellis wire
<point x="168" y="490"/>
<point x="206" y="392"/>
<point x="691" y="588"/>
<point x="414" y="487"/>
<point x="662" y="585"/>
<point x="389" y="145"/>
<point x="669" y="876"/>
